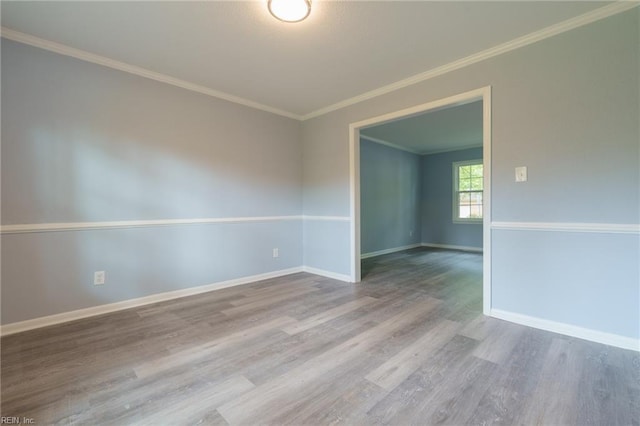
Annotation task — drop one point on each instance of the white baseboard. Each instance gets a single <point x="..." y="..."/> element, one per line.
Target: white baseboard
<point x="387" y="251"/>
<point x="31" y="324"/>
<point x="328" y="274"/>
<point x="451" y="247"/>
<point x="569" y="330"/>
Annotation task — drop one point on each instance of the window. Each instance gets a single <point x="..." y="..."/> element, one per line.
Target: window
<point x="467" y="191"/>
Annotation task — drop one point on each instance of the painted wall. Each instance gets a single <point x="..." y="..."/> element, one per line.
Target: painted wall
<point x="84" y="143"/>
<point x="566" y="107"/>
<point x="437" y="201"/>
<point x="390" y="197"/>
<point x="326" y="243"/>
<point x="407" y="199"/>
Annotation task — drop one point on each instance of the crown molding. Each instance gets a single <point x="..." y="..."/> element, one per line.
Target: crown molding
<point x="83" y="55"/>
<point x="561" y="27"/>
<point x="389" y="144"/>
<point x="459" y="148"/>
<point x="412" y="151"/>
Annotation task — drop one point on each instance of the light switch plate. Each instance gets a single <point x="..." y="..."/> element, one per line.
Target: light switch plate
<point x="521" y="174"/>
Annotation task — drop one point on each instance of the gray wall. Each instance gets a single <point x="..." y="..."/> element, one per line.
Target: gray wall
<point x="390" y="197"/>
<point x="326" y="193"/>
<point x="586" y="279"/>
<point x="566" y="107"/>
<point x="437" y="201"/>
<point x="84" y="143"/>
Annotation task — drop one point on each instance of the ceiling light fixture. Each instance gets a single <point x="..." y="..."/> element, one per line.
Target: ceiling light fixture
<point x="289" y="10"/>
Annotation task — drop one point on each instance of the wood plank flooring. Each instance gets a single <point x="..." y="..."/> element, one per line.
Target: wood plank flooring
<point x="406" y="346"/>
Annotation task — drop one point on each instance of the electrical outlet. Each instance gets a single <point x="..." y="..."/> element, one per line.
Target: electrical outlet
<point x="276" y="252"/>
<point x="411" y="233"/>
<point x="99" y="277"/>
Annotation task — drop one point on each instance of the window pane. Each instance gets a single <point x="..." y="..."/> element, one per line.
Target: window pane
<point x="476" y="184"/>
<point x="464" y="185"/>
<point x="465" y="212"/>
<point x="464" y="172"/>
<point x="468" y="190"/>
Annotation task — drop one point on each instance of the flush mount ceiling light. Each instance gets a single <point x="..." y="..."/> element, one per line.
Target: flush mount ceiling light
<point x="289" y="10"/>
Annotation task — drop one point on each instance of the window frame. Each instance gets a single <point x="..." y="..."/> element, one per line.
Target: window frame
<point x="454" y="193"/>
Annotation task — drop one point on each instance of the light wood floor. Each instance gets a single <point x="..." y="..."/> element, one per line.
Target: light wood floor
<point x="407" y="346"/>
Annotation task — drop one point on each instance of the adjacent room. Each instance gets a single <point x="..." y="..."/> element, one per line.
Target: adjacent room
<point x="319" y="212"/>
<point x="421" y="181"/>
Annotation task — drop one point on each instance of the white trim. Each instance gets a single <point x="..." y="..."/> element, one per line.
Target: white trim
<point x="389" y="250"/>
<point x="559" y="28"/>
<point x="79" y="226"/>
<point x="603" y="228"/>
<point x="328" y="274"/>
<point x="486" y="206"/>
<point x="569" y="330"/>
<point x="483" y="94"/>
<point x="389" y="144"/>
<point x="354" y="201"/>
<point x="459" y="148"/>
<point x="452" y="247"/>
<point x="46" y="321"/>
<point x="413" y="151"/>
<point x="133" y="69"/>
<point x="451" y="101"/>
<point x="327" y="218"/>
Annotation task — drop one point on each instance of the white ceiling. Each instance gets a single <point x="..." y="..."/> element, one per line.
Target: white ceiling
<point x="447" y="129"/>
<point x="342" y="50"/>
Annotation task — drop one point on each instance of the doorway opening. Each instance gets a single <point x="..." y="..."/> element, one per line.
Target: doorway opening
<point x="483" y="95"/>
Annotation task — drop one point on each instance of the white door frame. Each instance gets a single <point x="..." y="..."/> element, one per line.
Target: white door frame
<point x="483" y="94"/>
